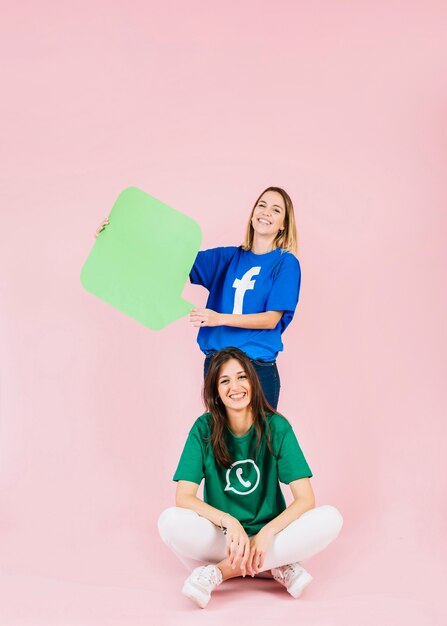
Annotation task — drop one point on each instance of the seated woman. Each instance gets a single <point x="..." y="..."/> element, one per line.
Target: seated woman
<point x="243" y="449"/>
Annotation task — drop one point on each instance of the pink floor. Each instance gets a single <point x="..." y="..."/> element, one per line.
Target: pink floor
<point x="357" y="581"/>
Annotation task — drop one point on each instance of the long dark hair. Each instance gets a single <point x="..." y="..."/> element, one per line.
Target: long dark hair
<point x="214" y="405"/>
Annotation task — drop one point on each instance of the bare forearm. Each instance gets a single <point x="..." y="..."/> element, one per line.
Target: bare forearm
<point x="202" y="508"/>
<point x="290" y="514"/>
<point x="263" y="321"/>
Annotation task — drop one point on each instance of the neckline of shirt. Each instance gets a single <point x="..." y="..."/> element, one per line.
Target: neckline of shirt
<point x="272" y="252"/>
<point x="247" y="434"/>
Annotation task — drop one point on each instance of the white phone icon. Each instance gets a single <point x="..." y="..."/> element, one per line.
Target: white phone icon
<point x="245" y="483"/>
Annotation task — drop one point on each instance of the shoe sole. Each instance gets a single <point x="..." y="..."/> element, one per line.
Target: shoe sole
<point x="196" y="595"/>
<point x="300" y="585"/>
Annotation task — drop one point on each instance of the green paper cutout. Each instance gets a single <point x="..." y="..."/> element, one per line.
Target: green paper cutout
<point x="141" y="261"/>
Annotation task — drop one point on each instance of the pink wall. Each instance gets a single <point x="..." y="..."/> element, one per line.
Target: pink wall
<point x="202" y="104"/>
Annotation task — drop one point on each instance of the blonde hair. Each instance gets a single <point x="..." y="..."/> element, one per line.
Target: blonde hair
<point x="286" y="239"/>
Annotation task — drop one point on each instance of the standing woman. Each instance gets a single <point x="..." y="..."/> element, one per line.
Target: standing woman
<point x="253" y="289"/>
<point x="243" y="450"/>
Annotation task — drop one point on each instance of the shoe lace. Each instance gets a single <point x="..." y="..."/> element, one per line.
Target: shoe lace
<point x="290" y="571"/>
<point x="207" y="576"/>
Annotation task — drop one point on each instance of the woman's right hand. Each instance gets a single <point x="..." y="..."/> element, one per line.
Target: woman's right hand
<point x="101" y="227"/>
<point x="238" y="544"/>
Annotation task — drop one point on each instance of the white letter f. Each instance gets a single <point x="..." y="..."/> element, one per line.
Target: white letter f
<point x="242" y="285"/>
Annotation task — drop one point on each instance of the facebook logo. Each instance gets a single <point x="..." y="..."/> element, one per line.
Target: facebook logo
<point x="242" y="285"/>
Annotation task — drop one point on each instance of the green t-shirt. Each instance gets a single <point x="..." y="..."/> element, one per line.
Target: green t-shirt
<point x="250" y="489"/>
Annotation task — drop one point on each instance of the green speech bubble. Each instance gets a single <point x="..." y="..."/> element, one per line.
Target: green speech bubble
<point x="141" y="261"/>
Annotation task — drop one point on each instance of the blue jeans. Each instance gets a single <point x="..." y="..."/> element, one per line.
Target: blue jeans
<point x="268" y="377"/>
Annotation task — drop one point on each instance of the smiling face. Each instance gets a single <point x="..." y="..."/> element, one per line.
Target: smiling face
<point x="233" y="386"/>
<point x="269" y="214"/>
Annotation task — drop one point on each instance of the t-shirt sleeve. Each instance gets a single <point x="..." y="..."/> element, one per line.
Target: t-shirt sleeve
<point x="285" y="291"/>
<point x="291" y="462"/>
<point x="201" y="271"/>
<point x="190" y="466"/>
<point x="209" y="264"/>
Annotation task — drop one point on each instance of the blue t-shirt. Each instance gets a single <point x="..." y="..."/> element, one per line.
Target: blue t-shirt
<point x="240" y="281"/>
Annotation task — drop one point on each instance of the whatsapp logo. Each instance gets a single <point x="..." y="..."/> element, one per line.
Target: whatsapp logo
<point x="243" y="477"/>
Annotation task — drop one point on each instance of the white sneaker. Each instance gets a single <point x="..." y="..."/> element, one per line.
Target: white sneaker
<point x="294" y="578"/>
<point x="202" y="581"/>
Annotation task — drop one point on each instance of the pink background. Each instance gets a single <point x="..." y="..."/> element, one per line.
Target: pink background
<point x="203" y="104"/>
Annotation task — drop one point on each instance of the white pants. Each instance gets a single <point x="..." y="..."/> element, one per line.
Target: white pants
<point x="195" y="540"/>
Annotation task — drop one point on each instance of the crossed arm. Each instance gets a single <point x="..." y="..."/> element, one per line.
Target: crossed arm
<point x="247" y="553"/>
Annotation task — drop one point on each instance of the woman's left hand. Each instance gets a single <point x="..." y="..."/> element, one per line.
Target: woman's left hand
<point x="259" y="545"/>
<point x="204" y="317"/>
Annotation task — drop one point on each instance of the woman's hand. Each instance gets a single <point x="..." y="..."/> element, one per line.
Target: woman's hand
<point x="238" y="544"/>
<point x="101" y="227"/>
<point x="204" y="317"/>
<point x="259" y="545"/>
